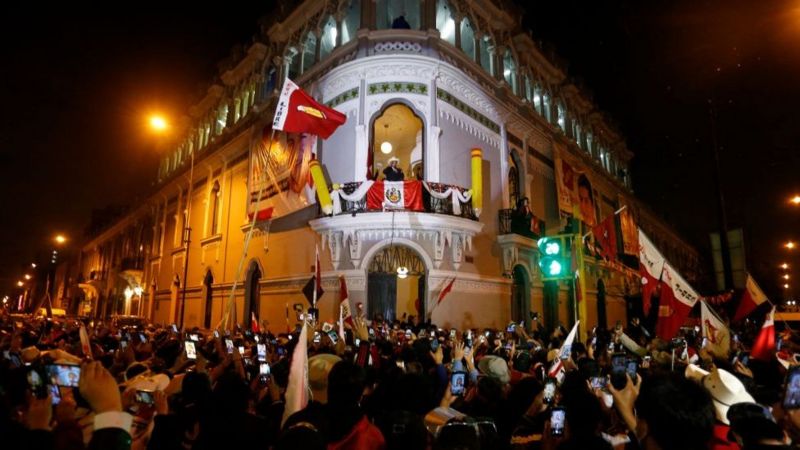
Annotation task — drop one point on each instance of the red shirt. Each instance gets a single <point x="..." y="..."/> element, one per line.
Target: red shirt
<point x="363" y="436"/>
<point x="720" y="440"/>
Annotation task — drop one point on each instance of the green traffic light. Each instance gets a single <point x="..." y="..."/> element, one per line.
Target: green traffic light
<point x="552" y="248"/>
<point x="554" y="268"/>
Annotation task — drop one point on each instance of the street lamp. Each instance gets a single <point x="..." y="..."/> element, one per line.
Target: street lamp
<point x="790" y="245"/>
<point x="795" y="200"/>
<point x="784" y="266"/>
<point x="158" y="123"/>
<point x="27" y="276"/>
<point x="786" y="276"/>
<point x="20" y="283"/>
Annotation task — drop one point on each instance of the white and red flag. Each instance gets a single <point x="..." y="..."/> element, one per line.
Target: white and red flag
<point x="557" y="367"/>
<point x="254" y="322"/>
<point x="677" y="300"/>
<point x="715" y="331"/>
<point x="395" y="195"/>
<point x="605" y="237"/>
<point x="297" y="388"/>
<point x="764" y="347"/>
<point x="751" y="298"/>
<point x="651" y="264"/>
<point x="297" y="112"/>
<point x="446" y="290"/>
<point x="86" y="345"/>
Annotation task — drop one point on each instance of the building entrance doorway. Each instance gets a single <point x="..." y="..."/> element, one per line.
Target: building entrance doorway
<point x="396" y="284"/>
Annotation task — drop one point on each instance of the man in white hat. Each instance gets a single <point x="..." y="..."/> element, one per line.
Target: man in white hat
<point x="394" y="172"/>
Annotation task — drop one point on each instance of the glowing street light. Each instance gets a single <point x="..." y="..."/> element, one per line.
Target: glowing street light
<point x="158" y="123"/>
<point x="790" y="245"/>
<point x="786" y="286"/>
<point x="795" y="200"/>
<point x="786" y="276"/>
<point x="27" y="276"/>
<point x="784" y="266"/>
<point x="60" y="239"/>
<point x="20" y="283"/>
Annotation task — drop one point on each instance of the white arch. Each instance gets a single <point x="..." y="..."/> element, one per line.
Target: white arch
<point x="396" y="241"/>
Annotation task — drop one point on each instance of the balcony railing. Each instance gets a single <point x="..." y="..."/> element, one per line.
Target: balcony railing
<point x="431" y="203"/>
<point x="528" y="225"/>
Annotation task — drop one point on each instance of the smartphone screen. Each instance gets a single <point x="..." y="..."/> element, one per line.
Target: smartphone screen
<point x="511" y="327"/>
<point x="229" y="345"/>
<point x="791" y="397"/>
<point x="262" y="352"/>
<point x="263" y="369"/>
<point x="216" y="334"/>
<point x="334" y="337"/>
<point x="549" y="391"/>
<point x="557" y="416"/>
<point x="55" y="394"/>
<point x="63" y="374"/>
<point x="618" y="370"/>
<point x="123" y="344"/>
<point x="36" y="384"/>
<point x="241" y="349"/>
<point x="434" y="345"/>
<point x="599" y="382"/>
<point x="144" y="397"/>
<point x="453" y="333"/>
<point x="194" y="337"/>
<point x="632" y="368"/>
<point x="317" y="337"/>
<point x="174" y="328"/>
<point x="458" y="383"/>
<point x="142" y="338"/>
<point x="191" y="352"/>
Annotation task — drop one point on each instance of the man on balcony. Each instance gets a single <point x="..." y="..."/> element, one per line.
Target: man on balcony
<point x="393" y="172"/>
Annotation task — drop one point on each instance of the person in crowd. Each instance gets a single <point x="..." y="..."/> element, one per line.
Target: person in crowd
<point x="394" y="172"/>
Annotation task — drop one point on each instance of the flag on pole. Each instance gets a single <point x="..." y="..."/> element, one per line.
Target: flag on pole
<point x="254" y="322"/>
<point x="557" y="367"/>
<point x="764" y="347"/>
<point x="605" y="238"/>
<point x="651" y="264"/>
<point x="297" y="112"/>
<point x="677" y="300"/>
<point x="86" y="346"/>
<point x="297" y="388"/>
<point x="344" y="302"/>
<point x="715" y="331"/>
<point x="751" y="298"/>
<point x="443" y="293"/>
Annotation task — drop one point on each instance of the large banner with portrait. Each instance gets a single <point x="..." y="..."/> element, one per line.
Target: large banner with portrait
<point x="280" y="166"/>
<point x="576" y="198"/>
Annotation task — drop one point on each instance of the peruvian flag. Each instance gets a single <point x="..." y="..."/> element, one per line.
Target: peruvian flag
<point x="557" y="367"/>
<point x="254" y="322"/>
<point x="751" y="298"/>
<point x="443" y="293"/>
<point x="677" y="300"/>
<point x="651" y="264"/>
<point x="344" y="303"/>
<point x="605" y="235"/>
<point x="764" y="347"/>
<point x="395" y="195"/>
<point x="715" y="330"/>
<point x="297" y="112"/>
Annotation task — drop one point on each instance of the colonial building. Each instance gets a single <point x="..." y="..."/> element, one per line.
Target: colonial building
<point x="427" y="82"/>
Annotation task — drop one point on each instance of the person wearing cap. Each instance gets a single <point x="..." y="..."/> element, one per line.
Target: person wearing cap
<point x="754" y="428"/>
<point x="394" y="172"/>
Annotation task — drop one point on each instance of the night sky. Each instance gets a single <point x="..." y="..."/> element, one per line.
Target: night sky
<point x="76" y="86"/>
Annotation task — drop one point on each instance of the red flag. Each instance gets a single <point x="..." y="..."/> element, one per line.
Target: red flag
<point x="445" y="291"/>
<point x="344" y="302"/>
<point x="297" y="112"/>
<point x="557" y="366"/>
<point x="264" y="214"/>
<point x="605" y="235"/>
<point x="254" y="322"/>
<point x="677" y="300"/>
<point x="751" y="298"/>
<point x="651" y="265"/>
<point x="764" y="347"/>
<point x="395" y="195"/>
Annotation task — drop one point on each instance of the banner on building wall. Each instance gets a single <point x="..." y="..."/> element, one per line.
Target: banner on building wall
<point x="629" y="232"/>
<point x="280" y="166"/>
<point x="576" y="197"/>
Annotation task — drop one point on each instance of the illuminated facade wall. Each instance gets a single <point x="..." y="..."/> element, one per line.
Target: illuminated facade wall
<point x="473" y="82"/>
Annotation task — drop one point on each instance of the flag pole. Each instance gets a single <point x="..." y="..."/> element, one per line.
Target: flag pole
<point x="226" y="318"/>
<point x="580" y="306"/>
<point x="622" y="208"/>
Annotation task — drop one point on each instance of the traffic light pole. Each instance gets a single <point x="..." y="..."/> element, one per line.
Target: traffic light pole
<point x="579" y="292"/>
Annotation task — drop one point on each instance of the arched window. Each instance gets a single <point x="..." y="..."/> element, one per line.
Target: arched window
<point x="352" y="21"/>
<point x="444" y="21"/>
<point x="513" y="185"/>
<point x="206" y="134"/>
<point x="537" y="98"/>
<point x="561" y="116"/>
<point x="589" y="142"/>
<point x="398" y="133"/>
<point x="293" y="59"/>
<point x="510" y="71"/>
<point x="252" y="292"/>
<point x="398" y="14"/>
<point x="237" y="109"/>
<point x="546" y="105"/>
<point x="487" y="51"/>
<point x="214" y="210"/>
<point x="328" y="41"/>
<point x="208" y="283"/>
<point x="222" y="119"/>
<point x="577" y="133"/>
<point x="467" y="38"/>
<point x="309" y="51"/>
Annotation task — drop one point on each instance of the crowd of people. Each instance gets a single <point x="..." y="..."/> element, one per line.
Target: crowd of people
<point x="375" y="384"/>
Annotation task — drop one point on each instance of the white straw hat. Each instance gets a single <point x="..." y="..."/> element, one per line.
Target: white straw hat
<point x="725" y="390"/>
